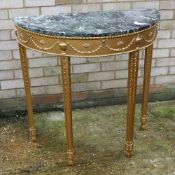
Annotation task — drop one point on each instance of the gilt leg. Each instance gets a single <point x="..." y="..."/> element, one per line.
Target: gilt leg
<point x="132" y="86"/>
<point x="66" y="77"/>
<point x="25" y="71"/>
<point x="146" y="84"/>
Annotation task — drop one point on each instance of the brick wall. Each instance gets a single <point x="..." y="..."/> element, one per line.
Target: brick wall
<point x="92" y="78"/>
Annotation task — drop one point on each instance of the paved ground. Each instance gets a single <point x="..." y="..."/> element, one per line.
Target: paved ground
<point x="99" y="136"/>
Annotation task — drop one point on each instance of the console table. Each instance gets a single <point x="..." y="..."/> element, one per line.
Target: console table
<point x="92" y="34"/>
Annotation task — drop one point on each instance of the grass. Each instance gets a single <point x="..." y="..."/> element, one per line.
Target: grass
<point x="99" y="137"/>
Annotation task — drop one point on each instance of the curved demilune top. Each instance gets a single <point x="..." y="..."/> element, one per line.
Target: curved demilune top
<point x="91" y="24"/>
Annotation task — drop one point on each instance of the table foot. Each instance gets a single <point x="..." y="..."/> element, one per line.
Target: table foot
<point x="143" y="122"/>
<point x="70" y="155"/>
<point x="33" y="134"/>
<point x="129" y="149"/>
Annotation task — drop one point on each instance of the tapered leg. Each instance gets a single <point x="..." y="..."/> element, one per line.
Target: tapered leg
<point x="25" y="71"/>
<point x="132" y="86"/>
<point x="146" y="84"/>
<point x="66" y="77"/>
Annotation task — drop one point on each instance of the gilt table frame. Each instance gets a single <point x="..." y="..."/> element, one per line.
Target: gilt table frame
<point x="65" y="47"/>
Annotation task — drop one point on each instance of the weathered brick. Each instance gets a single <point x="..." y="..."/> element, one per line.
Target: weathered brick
<point x="156" y="71"/>
<point x="121" y="74"/>
<point x="79" y="78"/>
<point x="124" y="74"/>
<point x="164" y="34"/>
<point x="5" y="55"/>
<point x="4" y="35"/>
<point x="166" y="43"/>
<point x="5" y="75"/>
<point x="44" y="81"/>
<point x="148" y="4"/>
<point x="155" y="43"/>
<point x="13" y="35"/>
<point x="38" y="62"/>
<point x="76" y="60"/>
<point x="117" y="6"/>
<point x="11" y="64"/>
<point x="114" y="65"/>
<point x="129" y="0"/>
<point x="30" y="54"/>
<point x="20" y="92"/>
<point x="97" y="1"/>
<point x="158" y="53"/>
<point x="173" y="33"/>
<point x="7" y="94"/>
<point x="56" y="10"/>
<point x="53" y="89"/>
<point x="85" y="7"/>
<point x="86" y="68"/>
<point x="101" y="94"/>
<point x="8" y="45"/>
<point x="166" y="14"/>
<point x="141" y="63"/>
<point x="34" y="72"/>
<point x="167" y="25"/>
<point x="79" y="96"/>
<point x="48" y="71"/>
<point x="46" y="99"/>
<point x="140" y="83"/>
<point x="6" y="24"/>
<point x="11" y="4"/>
<point x="12" y="84"/>
<point x="168" y="4"/>
<point x="31" y="3"/>
<point x="23" y="12"/>
<point x="101" y="59"/>
<point x="165" y="62"/>
<point x="172" y="70"/>
<point x="3" y="14"/>
<point x="100" y="76"/>
<point x="114" y="84"/>
<point x="34" y="91"/>
<point x="122" y="57"/>
<point x="77" y="87"/>
<point x="38" y="90"/>
<point x="33" y="54"/>
<point x="165" y="79"/>
<point x="64" y="1"/>
<point x="172" y="52"/>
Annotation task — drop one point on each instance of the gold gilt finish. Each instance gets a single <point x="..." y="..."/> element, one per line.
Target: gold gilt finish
<point x="147" y="73"/>
<point x="66" y="78"/>
<point x="86" y="46"/>
<point x="90" y="47"/>
<point x="24" y="63"/>
<point x="132" y="86"/>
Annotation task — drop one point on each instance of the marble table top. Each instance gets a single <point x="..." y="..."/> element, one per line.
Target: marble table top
<point x="91" y="24"/>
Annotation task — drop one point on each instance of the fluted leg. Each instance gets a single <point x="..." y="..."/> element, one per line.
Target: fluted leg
<point x="25" y="71"/>
<point x="66" y="77"/>
<point x="132" y="86"/>
<point x="146" y="84"/>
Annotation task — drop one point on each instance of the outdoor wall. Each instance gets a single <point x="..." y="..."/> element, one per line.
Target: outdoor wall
<point x="93" y="79"/>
